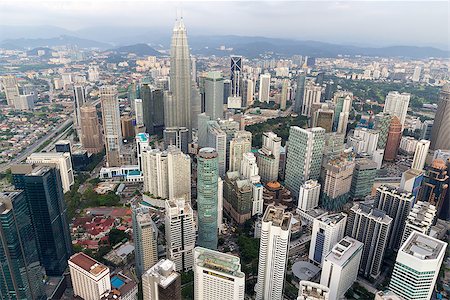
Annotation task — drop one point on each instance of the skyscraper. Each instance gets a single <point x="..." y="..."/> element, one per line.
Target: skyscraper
<point x="309" y="195"/>
<point x="176" y="136"/>
<point x="161" y="282"/>
<point x="217" y="139"/>
<point x="371" y="227"/>
<point x="180" y="233"/>
<point x="304" y="158"/>
<point x="397" y="104"/>
<point x="340" y="267"/>
<point x="139" y="112"/>
<point x="393" y="140"/>
<point x="273" y="253"/>
<point x="269" y="157"/>
<point x="44" y="194"/>
<point x="235" y="75"/>
<point x="207" y="197"/>
<point x="417" y="267"/>
<point x="420" y="155"/>
<point x="22" y="274"/>
<point x="111" y="125"/>
<point x="440" y="134"/>
<point x="11" y="88"/>
<point x="238" y="146"/>
<point x="90" y="134"/>
<point x="309" y="290"/>
<point x="382" y="123"/>
<point x="145" y="236"/>
<point x="284" y="94"/>
<point x="363" y="178"/>
<point x="264" y="88"/>
<point x="420" y="218"/>
<point x="214" y="95"/>
<point x="299" y="93"/>
<point x="79" y="100"/>
<point x="178" y="111"/>
<point x="397" y="204"/>
<point x="343" y="105"/>
<point x="312" y="96"/>
<point x="326" y="232"/>
<point x="217" y="276"/>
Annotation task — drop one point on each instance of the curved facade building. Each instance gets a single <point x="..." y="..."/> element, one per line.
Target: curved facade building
<point x="440" y="133"/>
<point x="207" y="197"/>
<point x="393" y="140"/>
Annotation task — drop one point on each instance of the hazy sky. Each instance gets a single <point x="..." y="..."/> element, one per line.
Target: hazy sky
<point x="358" y="22"/>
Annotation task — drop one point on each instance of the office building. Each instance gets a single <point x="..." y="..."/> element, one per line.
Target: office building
<point x="435" y="186"/>
<point x="416" y="74"/>
<point x="343" y="105"/>
<point x="111" y="125"/>
<point x="425" y="130"/>
<point x="273" y="253"/>
<point x="24" y="102"/>
<point x="312" y="96"/>
<point x="178" y="110"/>
<point x="90" y="134"/>
<point x="161" y="282"/>
<point x="440" y="134"/>
<point x="214" y="95"/>
<point x="238" y="146"/>
<point x="417" y="266"/>
<point x="235" y="75"/>
<point x="177" y="136"/>
<point x="397" y="104"/>
<point x="269" y="157"/>
<point x="238" y="197"/>
<point x="420" y="218"/>
<point x="264" y="88"/>
<point x="309" y="290"/>
<point x="207" y="197"/>
<point x="397" y="205"/>
<point x="304" y="158"/>
<point x="340" y="266"/>
<point x="180" y="233"/>
<point x="323" y="117"/>
<point x="44" y="193"/>
<point x="62" y="161"/>
<point x="63" y="146"/>
<point x="21" y="276"/>
<point x="127" y="127"/>
<point x="393" y="140"/>
<point x="11" y="89"/>
<point x="139" y="112"/>
<point x="179" y="174"/>
<point x="248" y="92"/>
<point x="90" y="278"/>
<point x="363" y="178"/>
<point x="284" y="94"/>
<point x="326" y="232"/>
<point x="412" y="181"/>
<point x="145" y="236"/>
<point x="299" y="93"/>
<point x="420" y="155"/>
<point x="148" y="107"/>
<point x="249" y="168"/>
<point x="309" y="195"/>
<point x="217" y="276"/>
<point x="371" y="227"/>
<point x="364" y="141"/>
<point x="382" y="123"/>
<point x="217" y="139"/>
<point x="79" y="99"/>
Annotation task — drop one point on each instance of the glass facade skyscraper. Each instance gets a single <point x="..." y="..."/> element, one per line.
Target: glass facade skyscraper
<point x="21" y="272"/>
<point x="207" y="197"/>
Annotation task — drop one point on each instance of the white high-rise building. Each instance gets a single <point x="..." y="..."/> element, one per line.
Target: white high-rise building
<point x="79" y="99"/>
<point x="250" y="91"/>
<point x="145" y="236"/>
<point x="273" y="253"/>
<point x="364" y="141"/>
<point x="417" y="267"/>
<point x="416" y="74"/>
<point x="217" y="139"/>
<point x="309" y="290"/>
<point x="179" y="173"/>
<point x="249" y="168"/>
<point x="90" y="279"/>
<point x="217" y="276"/>
<point x="142" y="143"/>
<point x="269" y="157"/>
<point x="420" y="219"/>
<point x="93" y="73"/>
<point x="61" y="160"/>
<point x="258" y="201"/>
<point x="180" y="233"/>
<point x="309" y="194"/>
<point x="264" y="87"/>
<point x="340" y="267"/>
<point x="161" y="281"/>
<point x="139" y="111"/>
<point x="11" y="89"/>
<point x="397" y="104"/>
<point x="312" y="96"/>
<point x="344" y="114"/>
<point x="111" y="125"/>
<point x="304" y="157"/>
<point x="238" y="147"/>
<point x="420" y="155"/>
<point x="326" y="232"/>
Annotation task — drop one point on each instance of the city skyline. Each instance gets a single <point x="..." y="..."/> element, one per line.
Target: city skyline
<point x="386" y="23"/>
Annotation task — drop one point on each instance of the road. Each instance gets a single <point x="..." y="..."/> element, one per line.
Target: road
<point x="35" y="146"/>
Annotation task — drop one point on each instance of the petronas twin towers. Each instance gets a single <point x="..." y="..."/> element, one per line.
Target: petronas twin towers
<point x="179" y="102"/>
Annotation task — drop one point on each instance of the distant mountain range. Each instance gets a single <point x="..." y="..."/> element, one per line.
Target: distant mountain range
<point x="144" y="42"/>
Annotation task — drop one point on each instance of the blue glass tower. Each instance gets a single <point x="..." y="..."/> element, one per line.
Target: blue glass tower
<point x="21" y="272"/>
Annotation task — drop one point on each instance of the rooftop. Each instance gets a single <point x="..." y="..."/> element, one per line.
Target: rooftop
<point x="344" y="250"/>
<point x="278" y="217"/>
<point x="220" y="262"/>
<point x="87" y="263"/>
<point x="164" y="270"/>
<point x="332" y="219"/>
<point x="423" y="246"/>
